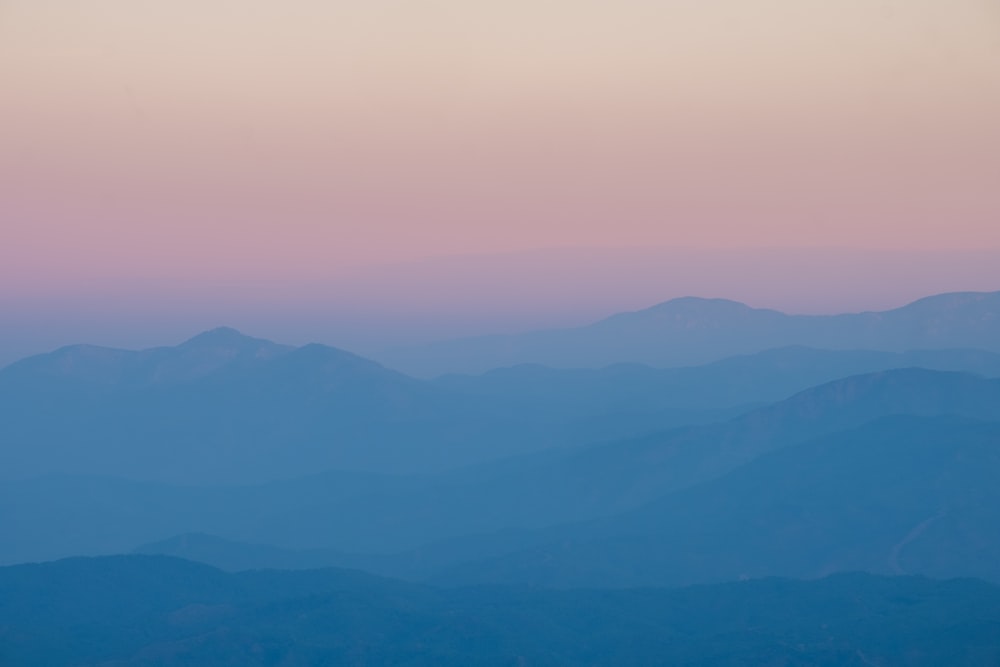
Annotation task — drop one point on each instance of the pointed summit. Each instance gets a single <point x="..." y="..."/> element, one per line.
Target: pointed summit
<point x="222" y="337"/>
<point x="692" y="310"/>
<point x="210" y="351"/>
<point x="231" y="342"/>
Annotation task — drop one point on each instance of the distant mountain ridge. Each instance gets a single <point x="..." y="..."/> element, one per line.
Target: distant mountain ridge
<point x="770" y="375"/>
<point x="220" y="403"/>
<point x="197" y="357"/>
<point x="691" y="330"/>
<point x="227" y="407"/>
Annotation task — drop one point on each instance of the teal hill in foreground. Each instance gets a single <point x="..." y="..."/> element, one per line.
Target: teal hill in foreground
<point x="157" y="611"/>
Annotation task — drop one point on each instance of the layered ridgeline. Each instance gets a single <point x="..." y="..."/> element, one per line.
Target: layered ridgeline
<point x="790" y="461"/>
<point x="219" y="407"/>
<point x="429" y="525"/>
<point x="693" y="331"/>
<point x="161" y="611"/>
<point x="902" y="495"/>
<point x="224" y="407"/>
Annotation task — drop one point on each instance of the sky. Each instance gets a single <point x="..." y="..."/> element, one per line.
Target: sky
<point x="369" y="172"/>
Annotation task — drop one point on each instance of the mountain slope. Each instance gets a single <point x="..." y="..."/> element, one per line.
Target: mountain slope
<point x="614" y="476"/>
<point x="899" y="495"/>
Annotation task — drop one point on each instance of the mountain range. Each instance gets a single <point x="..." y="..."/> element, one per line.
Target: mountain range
<point x="644" y="504"/>
<point x="690" y="331"/>
<point x="224" y="407"/>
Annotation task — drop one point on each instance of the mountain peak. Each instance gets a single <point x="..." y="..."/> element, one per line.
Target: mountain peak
<point x="699" y="304"/>
<point x="220" y="337"/>
<point x="691" y="311"/>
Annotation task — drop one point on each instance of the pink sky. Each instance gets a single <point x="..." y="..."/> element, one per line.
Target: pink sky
<point x="172" y="156"/>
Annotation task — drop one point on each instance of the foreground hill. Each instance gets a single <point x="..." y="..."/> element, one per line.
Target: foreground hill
<point x="160" y="611"/>
<point x="690" y="331"/>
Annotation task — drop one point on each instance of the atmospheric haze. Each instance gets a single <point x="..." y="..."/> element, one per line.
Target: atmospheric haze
<point x="453" y="332"/>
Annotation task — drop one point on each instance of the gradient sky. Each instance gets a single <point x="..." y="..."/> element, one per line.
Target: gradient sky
<point x="215" y="162"/>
